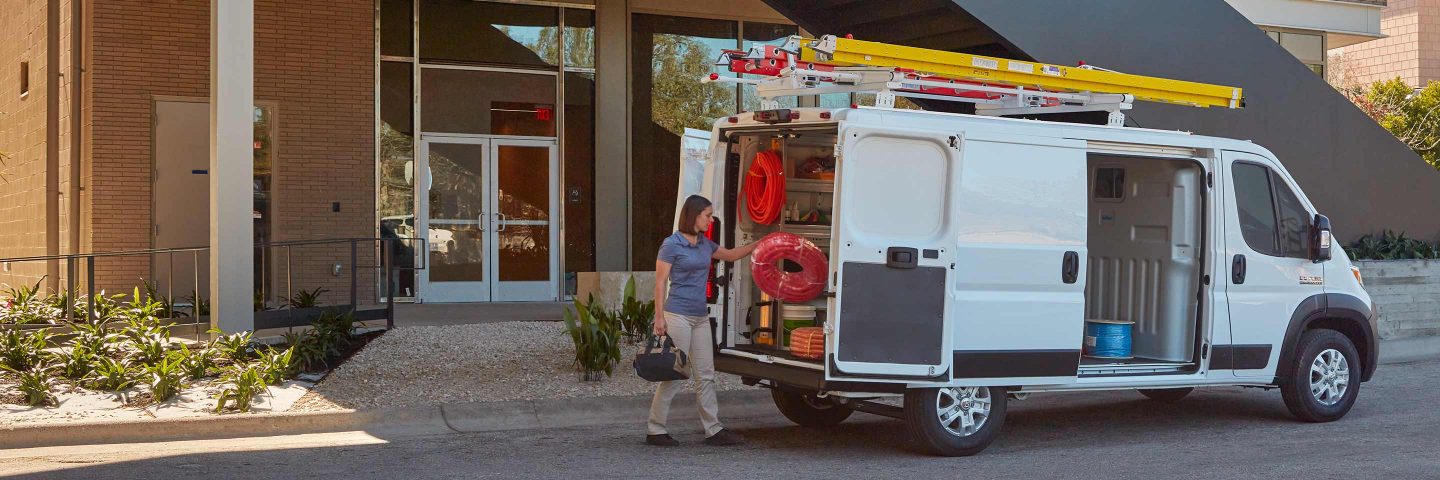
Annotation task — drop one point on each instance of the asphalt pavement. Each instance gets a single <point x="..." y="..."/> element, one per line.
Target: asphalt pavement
<point x="1393" y="432"/>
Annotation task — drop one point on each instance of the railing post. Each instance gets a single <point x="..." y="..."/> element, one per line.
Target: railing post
<point x="354" y="276"/>
<point x="90" y="287"/>
<point x="70" y="290"/>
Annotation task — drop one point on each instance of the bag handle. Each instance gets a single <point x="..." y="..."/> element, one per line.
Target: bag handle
<point x="652" y="341"/>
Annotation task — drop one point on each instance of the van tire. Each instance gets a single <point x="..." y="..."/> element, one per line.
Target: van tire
<point x="1296" y="387"/>
<point x="1166" y="395"/>
<point x="922" y="417"/>
<point x="807" y="410"/>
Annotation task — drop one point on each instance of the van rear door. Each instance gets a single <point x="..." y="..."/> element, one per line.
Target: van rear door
<point x="892" y="256"/>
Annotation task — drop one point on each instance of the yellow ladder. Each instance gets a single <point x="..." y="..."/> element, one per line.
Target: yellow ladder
<point x="839" y="51"/>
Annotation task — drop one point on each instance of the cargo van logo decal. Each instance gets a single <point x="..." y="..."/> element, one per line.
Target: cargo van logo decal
<point x="1309" y="280"/>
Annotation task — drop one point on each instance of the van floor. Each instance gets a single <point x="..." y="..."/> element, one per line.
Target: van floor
<point x="771" y="351"/>
<point x="1089" y="360"/>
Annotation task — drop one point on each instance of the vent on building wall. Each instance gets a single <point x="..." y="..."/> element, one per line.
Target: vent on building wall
<point x="24" y="78"/>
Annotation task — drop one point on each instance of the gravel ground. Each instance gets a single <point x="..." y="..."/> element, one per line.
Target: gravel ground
<point x="472" y="363"/>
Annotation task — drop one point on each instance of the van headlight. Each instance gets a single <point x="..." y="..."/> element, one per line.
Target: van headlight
<point x="1358" y="278"/>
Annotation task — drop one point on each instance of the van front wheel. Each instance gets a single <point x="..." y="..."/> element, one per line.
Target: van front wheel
<point x="1324" y="377"/>
<point x="955" y="421"/>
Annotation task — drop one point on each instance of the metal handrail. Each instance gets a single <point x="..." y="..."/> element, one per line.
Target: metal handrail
<point x="385" y="265"/>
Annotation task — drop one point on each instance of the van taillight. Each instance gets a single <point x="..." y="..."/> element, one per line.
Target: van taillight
<point x="710" y="279"/>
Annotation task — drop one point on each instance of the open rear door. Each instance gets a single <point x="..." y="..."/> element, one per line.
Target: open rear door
<point x="893" y="256"/>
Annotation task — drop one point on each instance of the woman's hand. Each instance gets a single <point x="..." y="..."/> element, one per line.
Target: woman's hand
<point x="659" y="327"/>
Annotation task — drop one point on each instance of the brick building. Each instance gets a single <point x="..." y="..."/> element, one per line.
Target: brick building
<point x="1410" y="49"/>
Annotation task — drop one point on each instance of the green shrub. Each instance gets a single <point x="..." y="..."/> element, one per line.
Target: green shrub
<point x="25" y="305"/>
<point x="596" y="339"/>
<point x="306" y="298"/>
<point x="197" y="364"/>
<point x="35" y="384"/>
<point x="112" y="375"/>
<point x="94" y="337"/>
<point x="149" y="349"/>
<point x="199" y="307"/>
<point x="76" y="363"/>
<point x="166" y="308"/>
<point x="237" y="347"/>
<point x="165" y="378"/>
<point x="108" y="308"/>
<point x="309" y="354"/>
<point x="276" y="365"/>
<point x="1391" y="246"/>
<point x="21" y="352"/>
<point x="636" y="317"/>
<point x="333" y="332"/>
<point x="243" y="383"/>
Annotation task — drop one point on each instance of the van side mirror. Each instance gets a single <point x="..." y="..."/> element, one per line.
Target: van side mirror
<point x="1320" y="243"/>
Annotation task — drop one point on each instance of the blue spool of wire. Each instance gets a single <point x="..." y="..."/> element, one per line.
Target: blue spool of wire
<point x="1108" y="338"/>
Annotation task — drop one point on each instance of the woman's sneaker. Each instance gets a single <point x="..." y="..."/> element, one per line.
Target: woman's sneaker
<point x="723" y="438"/>
<point x="661" y="440"/>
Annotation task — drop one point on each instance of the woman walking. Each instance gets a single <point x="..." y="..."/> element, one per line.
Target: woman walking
<point x="684" y="261"/>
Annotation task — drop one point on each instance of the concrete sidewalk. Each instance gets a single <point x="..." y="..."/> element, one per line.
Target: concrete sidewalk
<point x="464" y="417"/>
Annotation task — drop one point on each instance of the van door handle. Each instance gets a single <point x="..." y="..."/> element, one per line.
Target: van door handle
<point x="1070" y="267"/>
<point x="1237" y="270"/>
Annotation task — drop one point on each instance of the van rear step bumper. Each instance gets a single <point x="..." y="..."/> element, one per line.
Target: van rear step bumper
<point x="798" y="377"/>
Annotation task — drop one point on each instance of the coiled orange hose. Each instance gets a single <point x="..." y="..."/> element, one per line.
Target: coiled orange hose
<point x="765" y="188"/>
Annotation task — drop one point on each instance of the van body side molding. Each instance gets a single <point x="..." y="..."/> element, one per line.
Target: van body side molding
<point x="1240" y="357"/>
<point x="1349" y="311"/>
<point x="1015" y="363"/>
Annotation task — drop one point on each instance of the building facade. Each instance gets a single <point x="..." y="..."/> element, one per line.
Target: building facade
<point x="1409" y="51"/>
<point x="523" y="141"/>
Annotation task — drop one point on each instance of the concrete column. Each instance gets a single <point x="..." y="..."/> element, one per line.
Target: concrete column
<point x="232" y="110"/>
<point x="612" y="136"/>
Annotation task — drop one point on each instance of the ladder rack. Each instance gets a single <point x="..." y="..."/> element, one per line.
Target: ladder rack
<point x="997" y="86"/>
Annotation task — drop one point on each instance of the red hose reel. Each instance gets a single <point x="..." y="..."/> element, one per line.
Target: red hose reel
<point x="765" y="188"/>
<point x="800" y="286"/>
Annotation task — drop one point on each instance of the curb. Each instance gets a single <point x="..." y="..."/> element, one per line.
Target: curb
<point x="394" y="421"/>
<point x="1407" y="350"/>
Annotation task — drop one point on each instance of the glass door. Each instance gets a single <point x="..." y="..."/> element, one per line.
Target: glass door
<point x="526" y="237"/>
<point x="490" y="211"/>
<point x="455" y="219"/>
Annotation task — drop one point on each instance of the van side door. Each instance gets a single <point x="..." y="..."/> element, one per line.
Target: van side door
<point x="1268" y="269"/>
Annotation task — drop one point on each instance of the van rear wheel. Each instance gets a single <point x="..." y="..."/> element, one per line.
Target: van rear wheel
<point x="1166" y="395"/>
<point x="807" y="410"/>
<point x="955" y="421"/>
<point x="1324" y="378"/>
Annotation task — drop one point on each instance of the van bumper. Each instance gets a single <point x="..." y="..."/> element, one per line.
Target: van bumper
<point x="796" y="377"/>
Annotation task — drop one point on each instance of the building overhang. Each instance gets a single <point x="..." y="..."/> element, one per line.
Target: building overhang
<point x="1344" y="22"/>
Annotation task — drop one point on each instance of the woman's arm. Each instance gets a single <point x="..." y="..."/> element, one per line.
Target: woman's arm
<point x="662" y="276"/>
<point x="733" y="254"/>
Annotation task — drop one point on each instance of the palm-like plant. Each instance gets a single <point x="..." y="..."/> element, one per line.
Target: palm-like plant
<point x="596" y="338"/>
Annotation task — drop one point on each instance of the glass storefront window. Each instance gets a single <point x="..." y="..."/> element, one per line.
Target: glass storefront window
<point x="764" y="34"/>
<point x="668" y="57"/>
<point x="487" y="32"/>
<point x="579" y="38"/>
<point x="397" y="27"/>
<point x="396" y="188"/>
<point x="498" y="103"/>
<point x="1307" y="48"/>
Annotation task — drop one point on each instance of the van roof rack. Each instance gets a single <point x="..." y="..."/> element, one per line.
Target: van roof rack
<point x="997" y="86"/>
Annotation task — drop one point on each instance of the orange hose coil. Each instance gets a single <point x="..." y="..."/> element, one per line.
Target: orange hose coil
<point x="765" y="188"/>
<point x="801" y="286"/>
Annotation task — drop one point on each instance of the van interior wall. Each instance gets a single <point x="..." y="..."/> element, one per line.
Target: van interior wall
<point x="1144" y="250"/>
<point x="801" y="193"/>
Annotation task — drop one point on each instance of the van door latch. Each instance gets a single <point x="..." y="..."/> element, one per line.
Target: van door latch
<point x="1070" y="267"/>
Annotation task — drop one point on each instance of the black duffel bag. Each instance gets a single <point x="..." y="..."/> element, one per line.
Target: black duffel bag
<point x="668" y="364"/>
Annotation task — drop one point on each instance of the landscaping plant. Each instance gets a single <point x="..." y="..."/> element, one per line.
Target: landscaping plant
<point x="149" y="349"/>
<point x="276" y="365"/>
<point x="243" y="384"/>
<point x="24" y="305"/>
<point x="166" y="308"/>
<point x="35" y="385"/>
<point x="597" y="340"/>
<point x="1391" y="246"/>
<point x="636" y="317"/>
<point x="165" y="378"/>
<point x="94" y="337"/>
<point x="111" y="375"/>
<point x="76" y="363"/>
<point x="236" y="347"/>
<point x="199" y="307"/>
<point x="306" y="298"/>
<point x="20" y="352"/>
<point x="197" y="364"/>
<point x="332" y="331"/>
<point x="309" y="354"/>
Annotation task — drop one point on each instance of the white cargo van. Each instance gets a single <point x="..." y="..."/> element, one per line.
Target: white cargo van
<point x="967" y="253"/>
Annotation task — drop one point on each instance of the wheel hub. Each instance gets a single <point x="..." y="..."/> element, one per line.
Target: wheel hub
<point x="1329" y="377"/>
<point x="962" y="411"/>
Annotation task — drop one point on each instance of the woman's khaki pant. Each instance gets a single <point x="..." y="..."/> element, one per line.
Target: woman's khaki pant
<point x="691" y="334"/>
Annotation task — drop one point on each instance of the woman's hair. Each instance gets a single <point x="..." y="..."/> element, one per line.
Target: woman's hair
<point x="694" y="204"/>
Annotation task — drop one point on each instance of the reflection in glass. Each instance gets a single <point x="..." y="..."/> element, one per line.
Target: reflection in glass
<point x="579" y="38"/>
<point x="500" y="103"/>
<point x="669" y="56"/>
<point x="523" y="230"/>
<point x="488" y="32"/>
<point x="457" y="203"/>
<point x="396" y="190"/>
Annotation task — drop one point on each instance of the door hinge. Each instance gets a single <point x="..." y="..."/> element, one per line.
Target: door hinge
<point x="837" y="151"/>
<point x="1210" y="179"/>
<point x="1205" y="351"/>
